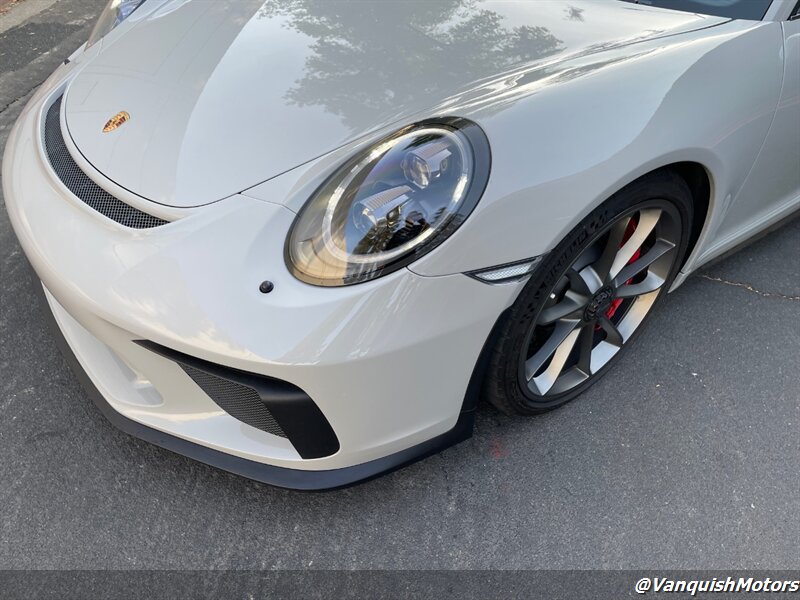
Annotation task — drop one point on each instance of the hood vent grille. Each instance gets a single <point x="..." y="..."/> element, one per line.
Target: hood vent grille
<point x="81" y="185"/>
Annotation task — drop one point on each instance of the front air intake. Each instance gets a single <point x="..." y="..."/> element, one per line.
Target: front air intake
<point x="239" y="401"/>
<point x="80" y="184"/>
<point x="266" y="403"/>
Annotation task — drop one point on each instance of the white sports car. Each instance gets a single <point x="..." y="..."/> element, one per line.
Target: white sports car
<point x="299" y="240"/>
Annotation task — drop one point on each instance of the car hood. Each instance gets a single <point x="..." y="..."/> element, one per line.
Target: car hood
<point x="224" y="95"/>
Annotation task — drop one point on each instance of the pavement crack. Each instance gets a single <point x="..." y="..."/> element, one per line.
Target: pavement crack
<point x="18" y="98"/>
<point x="750" y="288"/>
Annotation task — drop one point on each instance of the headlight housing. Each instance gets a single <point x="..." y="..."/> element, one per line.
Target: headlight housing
<point x="390" y="204"/>
<point x="115" y="12"/>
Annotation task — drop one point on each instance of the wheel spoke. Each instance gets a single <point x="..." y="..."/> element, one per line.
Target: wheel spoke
<point x="591" y="280"/>
<point x="585" y="346"/>
<point x="650" y="284"/>
<point x="548" y="378"/>
<point x="562" y="331"/>
<point x="615" y="236"/>
<point x="572" y="305"/>
<point x="613" y="336"/>
<point x="659" y="249"/>
<point x="648" y="219"/>
<point x="578" y="283"/>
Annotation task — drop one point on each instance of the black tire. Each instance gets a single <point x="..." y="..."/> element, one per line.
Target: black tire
<point x="505" y="382"/>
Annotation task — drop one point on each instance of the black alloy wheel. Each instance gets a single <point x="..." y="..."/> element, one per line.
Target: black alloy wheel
<point x="590" y="296"/>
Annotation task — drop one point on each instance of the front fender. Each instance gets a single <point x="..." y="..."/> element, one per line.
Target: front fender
<point x="565" y="137"/>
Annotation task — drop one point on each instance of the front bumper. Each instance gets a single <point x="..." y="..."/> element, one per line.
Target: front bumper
<point x="387" y="362"/>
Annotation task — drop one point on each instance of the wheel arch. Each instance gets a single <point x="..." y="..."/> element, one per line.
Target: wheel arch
<point x="700" y="183"/>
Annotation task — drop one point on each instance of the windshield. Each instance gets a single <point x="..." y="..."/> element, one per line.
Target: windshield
<point x="733" y="9"/>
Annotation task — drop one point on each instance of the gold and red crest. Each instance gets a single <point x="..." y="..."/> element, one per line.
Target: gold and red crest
<point x="116" y="121"/>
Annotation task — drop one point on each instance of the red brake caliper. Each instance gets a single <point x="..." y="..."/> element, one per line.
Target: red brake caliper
<point x="615" y="304"/>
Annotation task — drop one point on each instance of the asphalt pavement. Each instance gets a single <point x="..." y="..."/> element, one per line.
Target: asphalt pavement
<point x="685" y="456"/>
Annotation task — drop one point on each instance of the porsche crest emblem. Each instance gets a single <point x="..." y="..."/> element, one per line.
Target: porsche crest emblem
<point x="118" y="120"/>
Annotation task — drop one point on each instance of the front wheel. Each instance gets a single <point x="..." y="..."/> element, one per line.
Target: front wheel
<point x="590" y="297"/>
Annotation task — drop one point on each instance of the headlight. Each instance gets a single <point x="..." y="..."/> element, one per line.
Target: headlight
<point x="390" y="204"/>
<point x="115" y="12"/>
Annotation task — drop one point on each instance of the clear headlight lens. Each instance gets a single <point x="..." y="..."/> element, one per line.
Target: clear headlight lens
<point x="115" y="12"/>
<point x="390" y="204"/>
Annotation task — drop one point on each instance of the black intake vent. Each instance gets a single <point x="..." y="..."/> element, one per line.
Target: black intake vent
<point x="81" y="185"/>
<point x="239" y="401"/>
<point x="272" y="405"/>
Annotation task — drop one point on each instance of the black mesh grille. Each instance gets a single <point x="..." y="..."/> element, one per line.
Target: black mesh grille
<point x="81" y="185"/>
<point x="239" y="401"/>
